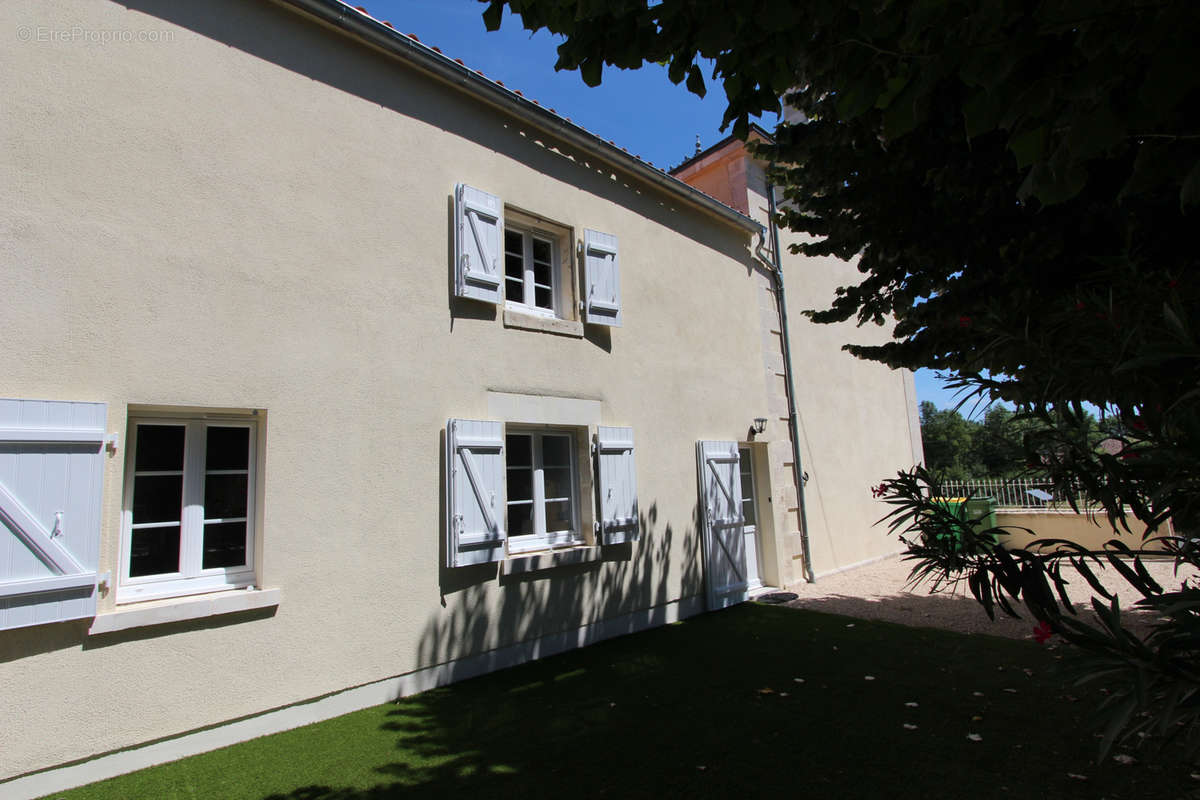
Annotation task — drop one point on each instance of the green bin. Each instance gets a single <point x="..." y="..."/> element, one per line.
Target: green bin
<point x="981" y="511"/>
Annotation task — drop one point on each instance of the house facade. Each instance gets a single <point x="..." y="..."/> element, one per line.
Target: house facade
<point x="334" y="369"/>
<point x="856" y="422"/>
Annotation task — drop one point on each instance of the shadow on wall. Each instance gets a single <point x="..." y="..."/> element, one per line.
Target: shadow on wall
<point x="452" y="740"/>
<point x="485" y="613"/>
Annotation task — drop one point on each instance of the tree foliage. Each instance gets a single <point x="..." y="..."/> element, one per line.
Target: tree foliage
<point x="961" y="449"/>
<point x="987" y="155"/>
<point x="1019" y="182"/>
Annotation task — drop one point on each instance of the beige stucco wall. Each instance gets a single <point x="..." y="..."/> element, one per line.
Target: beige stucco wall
<point x="857" y="420"/>
<point x="1089" y="530"/>
<point x="255" y="214"/>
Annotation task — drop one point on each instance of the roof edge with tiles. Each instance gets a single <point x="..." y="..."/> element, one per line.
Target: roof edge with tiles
<point x="361" y="25"/>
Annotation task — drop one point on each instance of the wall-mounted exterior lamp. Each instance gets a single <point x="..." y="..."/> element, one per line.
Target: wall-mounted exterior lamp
<point x="760" y="424"/>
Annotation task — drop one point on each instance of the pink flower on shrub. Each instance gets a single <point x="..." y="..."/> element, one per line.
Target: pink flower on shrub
<point x="1042" y="632"/>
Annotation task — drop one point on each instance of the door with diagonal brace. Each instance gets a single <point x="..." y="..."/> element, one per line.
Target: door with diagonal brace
<point x="718" y="467"/>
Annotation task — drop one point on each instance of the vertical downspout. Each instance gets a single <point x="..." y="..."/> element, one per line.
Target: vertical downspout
<point x="793" y="420"/>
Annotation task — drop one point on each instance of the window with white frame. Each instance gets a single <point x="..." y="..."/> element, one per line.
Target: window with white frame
<point x="542" y="505"/>
<point x="516" y="488"/>
<point x="188" y="508"/>
<point x="530" y="270"/>
<point x="527" y="264"/>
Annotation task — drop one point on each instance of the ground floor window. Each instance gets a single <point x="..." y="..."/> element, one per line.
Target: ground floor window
<point x="189" y="507"/>
<point x="542" y="507"/>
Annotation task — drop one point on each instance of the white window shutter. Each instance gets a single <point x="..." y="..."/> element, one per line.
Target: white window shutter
<point x="51" y="473"/>
<point x="602" y="276"/>
<point x="718" y="467"/>
<point x="478" y="245"/>
<point x="475" y="492"/>
<point x="616" y="481"/>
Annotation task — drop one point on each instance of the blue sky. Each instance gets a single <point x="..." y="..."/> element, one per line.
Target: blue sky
<point x="640" y="110"/>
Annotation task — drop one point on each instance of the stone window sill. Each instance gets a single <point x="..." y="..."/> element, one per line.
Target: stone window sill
<point x="532" y="322"/>
<point x="181" y="609"/>
<point x="549" y="559"/>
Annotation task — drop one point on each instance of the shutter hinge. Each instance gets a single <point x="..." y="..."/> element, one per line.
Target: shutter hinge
<point x="111" y="442"/>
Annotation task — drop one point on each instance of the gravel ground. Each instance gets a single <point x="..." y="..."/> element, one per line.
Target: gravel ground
<point x="880" y="591"/>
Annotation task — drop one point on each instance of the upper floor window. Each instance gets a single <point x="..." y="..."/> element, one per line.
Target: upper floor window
<point x="531" y="265"/>
<point x="517" y="259"/>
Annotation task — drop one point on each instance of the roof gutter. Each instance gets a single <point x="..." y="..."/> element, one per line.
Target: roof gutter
<point x="353" y="22"/>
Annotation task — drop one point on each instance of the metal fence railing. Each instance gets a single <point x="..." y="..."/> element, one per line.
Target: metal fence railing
<point x="1008" y="492"/>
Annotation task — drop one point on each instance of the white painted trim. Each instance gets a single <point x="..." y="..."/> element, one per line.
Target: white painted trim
<point x="53" y="435"/>
<point x="50" y="781"/>
<point x="542" y="409"/>
<point x="56" y="583"/>
<point x="182" y="609"/>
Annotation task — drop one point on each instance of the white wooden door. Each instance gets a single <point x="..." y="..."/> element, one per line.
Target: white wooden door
<point x="750" y="526"/>
<point x="719" y="468"/>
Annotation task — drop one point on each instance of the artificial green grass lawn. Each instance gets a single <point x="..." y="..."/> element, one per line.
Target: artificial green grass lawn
<point x="708" y="707"/>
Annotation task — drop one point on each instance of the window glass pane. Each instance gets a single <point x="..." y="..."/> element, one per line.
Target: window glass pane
<point x="159" y="447"/>
<point x="157" y="498"/>
<point x="520" y="519"/>
<point x="543" y="298"/>
<point x="520" y="450"/>
<point x="514" y="242"/>
<point x="513" y="267"/>
<point x="556" y="451"/>
<point x="520" y="484"/>
<point x="228" y="448"/>
<point x="541" y="250"/>
<point x="224" y="496"/>
<point x="747" y="488"/>
<point x="748" y="510"/>
<point x="559" y="517"/>
<point x="541" y="273"/>
<point x="224" y="545"/>
<point x="154" y="551"/>
<point x="558" y="482"/>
